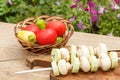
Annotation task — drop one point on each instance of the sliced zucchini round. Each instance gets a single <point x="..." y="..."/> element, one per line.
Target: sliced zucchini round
<point x="73" y="52"/>
<point x="91" y="50"/>
<point x="56" y="55"/>
<point x="75" y="65"/>
<point x="93" y="63"/>
<point x="55" y="68"/>
<point x="114" y="59"/>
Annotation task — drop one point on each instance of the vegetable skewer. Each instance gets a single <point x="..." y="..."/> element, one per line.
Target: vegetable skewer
<point x="105" y="61"/>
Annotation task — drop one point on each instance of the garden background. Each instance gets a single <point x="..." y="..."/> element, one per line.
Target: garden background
<point x="91" y="16"/>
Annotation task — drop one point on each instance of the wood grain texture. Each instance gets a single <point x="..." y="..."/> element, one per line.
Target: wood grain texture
<point x="99" y="75"/>
<point x="8" y="68"/>
<point x="41" y="60"/>
<point x="11" y="49"/>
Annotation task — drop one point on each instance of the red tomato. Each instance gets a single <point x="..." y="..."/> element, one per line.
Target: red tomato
<point x="46" y="36"/>
<point x="33" y="28"/>
<point x="58" y="26"/>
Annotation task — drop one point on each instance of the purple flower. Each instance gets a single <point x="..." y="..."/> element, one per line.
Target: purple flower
<point x="80" y="25"/>
<point x="93" y="11"/>
<point x="77" y="1"/>
<point x="91" y="4"/>
<point x="86" y="9"/>
<point x="73" y="5"/>
<point x="9" y="2"/>
<point x="58" y="3"/>
<point x="72" y="18"/>
<point x="116" y="1"/>
<point x="94" y="18"/>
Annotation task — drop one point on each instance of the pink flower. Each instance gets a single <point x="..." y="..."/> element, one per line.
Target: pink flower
<point x="116" y="1"/>
<point x="77" y="1"/>
<point x="73" y="5"/>
<point x="114" y="6"/>
<point x="102" y="10"/>
<point x="93" y="11"/>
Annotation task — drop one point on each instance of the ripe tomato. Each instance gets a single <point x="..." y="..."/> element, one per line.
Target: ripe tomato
<point x="58" y="26"/>
<point x="33" y="28"/>
<point x="46" y="36"/>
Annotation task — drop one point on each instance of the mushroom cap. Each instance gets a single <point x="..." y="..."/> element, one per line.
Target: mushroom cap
<point x="84" y="51"/>
<point x="62" y="67"/>
<point x="105" y="62"/>
<point x="65" y="54"/>
<point x="101" y="48"/>
<point x="85" y="65"/>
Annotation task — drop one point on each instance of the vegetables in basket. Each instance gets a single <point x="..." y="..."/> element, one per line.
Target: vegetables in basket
<point x="27" y="36"/>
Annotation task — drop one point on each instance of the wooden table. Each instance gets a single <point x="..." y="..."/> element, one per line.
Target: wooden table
<point x="10" y="49"/>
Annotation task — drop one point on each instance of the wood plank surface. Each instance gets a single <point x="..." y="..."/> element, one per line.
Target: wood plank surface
<point x="11" y="49"/>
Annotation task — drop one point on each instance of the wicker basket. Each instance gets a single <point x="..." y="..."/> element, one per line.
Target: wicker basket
<point x="36" y="48"/>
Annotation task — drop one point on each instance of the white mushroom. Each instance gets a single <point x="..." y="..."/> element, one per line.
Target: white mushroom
<point x="105" y="62"/>
<point x="62" y="67"/>
<point x="65" y="54"/>
<point x="69" y="66"/>
<point x="85" y="65"/>
<point x="79" y="53"/>
<point x="84" y="50"/>
<point x="101" y="48"/>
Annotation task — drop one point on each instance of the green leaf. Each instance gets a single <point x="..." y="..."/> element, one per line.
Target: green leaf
<point x="42" y="1"/>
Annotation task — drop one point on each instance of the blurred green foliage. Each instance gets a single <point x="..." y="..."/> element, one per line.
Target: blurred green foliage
<point x="21" y="9"/>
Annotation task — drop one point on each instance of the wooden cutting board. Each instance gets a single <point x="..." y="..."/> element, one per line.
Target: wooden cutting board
<point x="112" y="74"/>
<point x="41" y="60"/>
<point x="45" y="61"/>
<point x="99" y="75"/>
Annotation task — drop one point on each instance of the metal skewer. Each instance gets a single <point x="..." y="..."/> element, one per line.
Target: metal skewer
<point x="34" y="70"/>
<point x="37" y="70"/>
<point x="118" y="58"/>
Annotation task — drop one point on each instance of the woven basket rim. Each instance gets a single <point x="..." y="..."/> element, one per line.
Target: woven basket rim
<point x="30" y="20"/>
